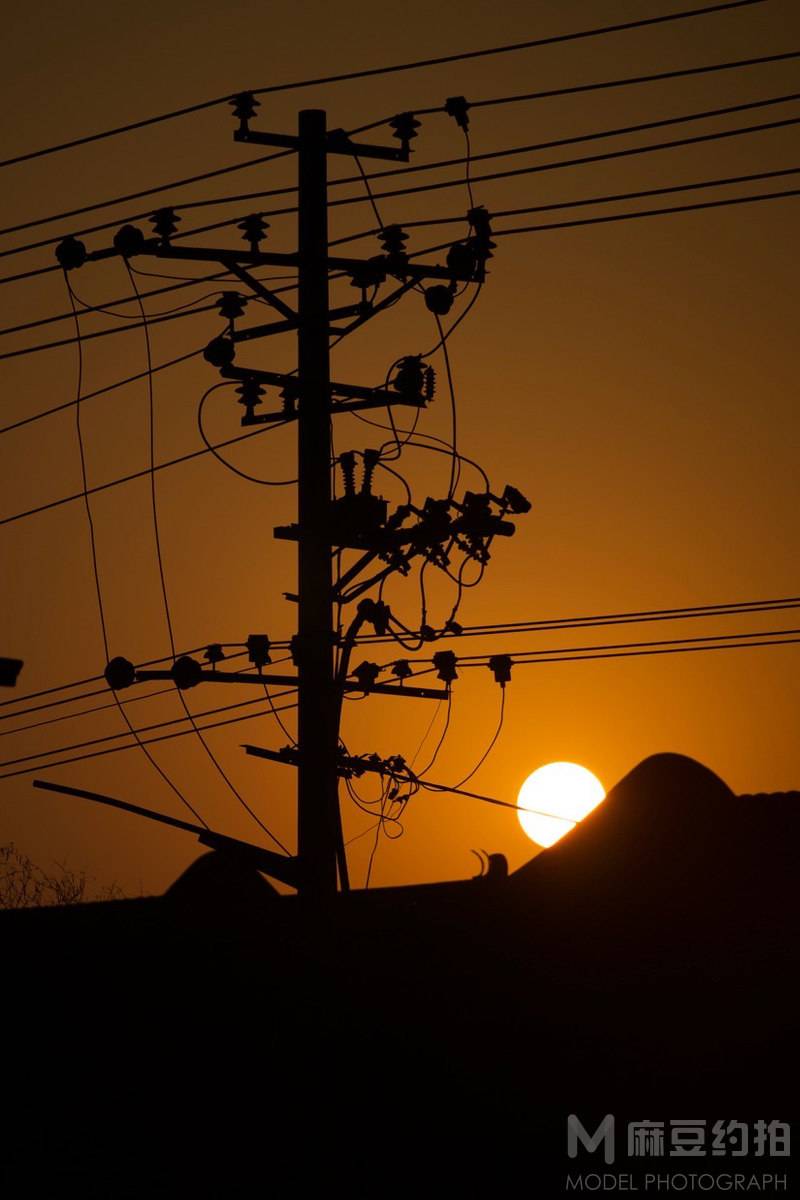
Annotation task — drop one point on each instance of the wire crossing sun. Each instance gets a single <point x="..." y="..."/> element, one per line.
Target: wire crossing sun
<point x="555" y="798"/>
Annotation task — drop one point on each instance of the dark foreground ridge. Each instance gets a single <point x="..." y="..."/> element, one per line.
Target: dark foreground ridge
<point x="646" y="966"/>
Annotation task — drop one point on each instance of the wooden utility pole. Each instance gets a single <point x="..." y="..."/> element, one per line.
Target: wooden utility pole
<point x="317" y="796"/>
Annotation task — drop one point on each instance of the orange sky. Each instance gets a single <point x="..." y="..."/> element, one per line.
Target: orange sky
<point x="635" y="380"/>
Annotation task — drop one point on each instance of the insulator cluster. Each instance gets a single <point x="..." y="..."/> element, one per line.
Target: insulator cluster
<point x="250" y="394"/>
<point x="458" y="108"/>
<point x="404" y="127"/>
<point x="254" y="230"/>
<point x="165" y="223"/>
<point x="357" y="516"/>
<point x="231" y="305"/>
<point x="245" y="106"/>
<point x="414" y="381"/>
<point x="258" y="647"/>
<point x="393" y="239"/>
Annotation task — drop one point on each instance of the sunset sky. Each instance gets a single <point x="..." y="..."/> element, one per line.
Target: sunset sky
<point x="636" y="380"/>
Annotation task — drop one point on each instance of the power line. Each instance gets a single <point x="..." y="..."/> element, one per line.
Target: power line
<point x="111" y="387"/>
<point x="729" y="641"/>
<point x="547" y="624"/>
<point x="415" y="168"/>
<point x="418" y="64"/>
<point x="101" y="333"/>
<point x="655" y="212"/>
<point x="163" y="580"/>
<point x="581" y="202"/>
<point x="584" y="201"/>
<point x="492" y="742"/>
<point x="550" y="624"/>
<point x="163" y="466"/>
<point x="120" y="382"/>
<point x="484" y="103"/>
<point x="634" y="80"/>
<point x="459" y="791"/>
<point x="104" y="691"/>
<point x="495" y="233"/>
<point x="128" y="196"/>
<point x="105" y="304"/>
<point x="111" y="737"/>
<point x="96" y="573"/>
<point x="145" y="742"/>
<point x="584" y="160"/>
<point x="606" y="652"/>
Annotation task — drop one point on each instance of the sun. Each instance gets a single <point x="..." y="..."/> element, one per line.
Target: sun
<point x="556" y="797"/>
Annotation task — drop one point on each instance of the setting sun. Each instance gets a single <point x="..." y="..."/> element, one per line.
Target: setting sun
<point x="555" y="798"/>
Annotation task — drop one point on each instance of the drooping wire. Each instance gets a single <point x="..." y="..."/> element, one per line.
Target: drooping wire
<point x="212" y="449"/>
<point x="162" y="578"/>
<point x="103" y="333"/>
<point x="95" y="567"/>
<point x="442" y="736"/>
<point x="455" y="465"/>
<point x="275" y="713"/>
<point x="492" y="743"/>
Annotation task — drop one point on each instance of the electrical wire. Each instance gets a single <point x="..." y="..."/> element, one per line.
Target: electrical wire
<point x="228" y="465"/>
<point x="95" y="569"/>
<point x="111" y="737"/>
<point x="276" y="715"/>
<point x="121" y="382"/>
<point x="151" y="191"/>
<point x="654" y="212"/>
<point x="550" y="624"/>
<point x="442" y="737"/>
<point x="144" y="743"/>
<point x="61" y="687"/>
<point x="115" y="330"/>
<point x="492" y="743"/>
<point x="372" y="72"/>
<point x="601" y="85"/>
<point x="85" y="712"/>
<point x="171" y="462"/>
<point x="454" y="464"/>
<point x="163" y="582"/>
<point x="458" y="791"/>
<point x="416" y="168"/>
<point x="173" y="362"/>
<point x="67" y="316"/>
<point x="730" y="641"/>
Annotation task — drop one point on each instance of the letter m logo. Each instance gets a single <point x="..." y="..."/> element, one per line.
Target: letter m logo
<point x="590" y="1141"/>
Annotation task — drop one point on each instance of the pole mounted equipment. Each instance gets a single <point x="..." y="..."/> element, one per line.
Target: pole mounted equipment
<point x="357" y="519"/>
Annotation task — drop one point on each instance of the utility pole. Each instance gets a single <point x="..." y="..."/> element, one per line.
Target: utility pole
<point x="317" y="793"/>
<point x="358" y="521"/>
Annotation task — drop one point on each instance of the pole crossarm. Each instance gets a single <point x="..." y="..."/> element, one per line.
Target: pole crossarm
<point x="348" y="765"/>
<point x="203" y="676"/>
<point x="335" y="141"/>
<point x="377" y="397"/>
<point x="261" y="289"/>
<point x="233" y="259"/>
<point x="338" y="142"/>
